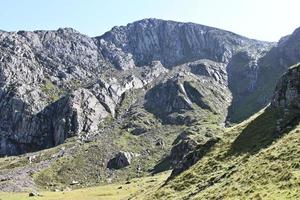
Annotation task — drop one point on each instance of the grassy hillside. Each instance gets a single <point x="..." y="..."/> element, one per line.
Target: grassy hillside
<point x="251" y="162"/>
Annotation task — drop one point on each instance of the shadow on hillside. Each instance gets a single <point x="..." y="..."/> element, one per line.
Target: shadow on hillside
<point x="163" y="165"/>
<point x="261" y="132"/>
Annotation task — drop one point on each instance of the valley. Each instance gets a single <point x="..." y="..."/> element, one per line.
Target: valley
<point x="155" y="109"/>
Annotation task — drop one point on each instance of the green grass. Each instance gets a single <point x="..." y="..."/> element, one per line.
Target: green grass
<point x="22" y="160"/>
<point x="118" y="191"/>
<point x="51" y="91"/>
<point x="82" y="166"/>
<point x="258" y="134"/>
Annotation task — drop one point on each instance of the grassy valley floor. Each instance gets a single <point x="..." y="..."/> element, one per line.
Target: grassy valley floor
<point x="118" y="191"/>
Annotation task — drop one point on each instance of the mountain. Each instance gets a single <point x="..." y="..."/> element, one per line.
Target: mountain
<point x="52" y="82"/>
<point x="147" y="97"/>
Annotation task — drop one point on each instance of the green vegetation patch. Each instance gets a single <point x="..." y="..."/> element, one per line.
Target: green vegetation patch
<point x="52" y="91"/>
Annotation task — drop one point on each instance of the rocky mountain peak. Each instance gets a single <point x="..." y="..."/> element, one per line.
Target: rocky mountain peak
<point x="174" y="43"/>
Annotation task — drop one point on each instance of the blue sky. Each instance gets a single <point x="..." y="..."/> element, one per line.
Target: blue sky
<point x="259" y="19"/>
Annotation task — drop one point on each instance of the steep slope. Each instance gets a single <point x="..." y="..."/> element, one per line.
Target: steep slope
<point x="257" y="159"/>
<point x="199" y="86"/>
<point x="39" y="68"/>
<point x="174" y="43"/>
<point x="262" y="74"/>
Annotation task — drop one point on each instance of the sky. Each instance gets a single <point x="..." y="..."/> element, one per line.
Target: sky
<point x="259" y="19"/>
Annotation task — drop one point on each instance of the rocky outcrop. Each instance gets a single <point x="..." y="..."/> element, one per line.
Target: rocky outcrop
<point x="168" y="97"/>
<point x="184" y="146"/>
<point x="189" y="158"/>
<point x="287" y="92"/>
<point x="209" y="69"/>
<point x="79" y="112"/>
<point x="286" y="99"/>
<point x="121" y="160"/>
<point x="197" y="85"/>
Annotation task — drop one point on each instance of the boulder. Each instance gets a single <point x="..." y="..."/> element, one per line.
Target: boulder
<point x="33" y="194"/>
<point x="181" y="149"/>
<point x="74" y="182"/>
<point x="160" y="143"/>
<point x="193" y="156"/>
<point x="120" y="160"/>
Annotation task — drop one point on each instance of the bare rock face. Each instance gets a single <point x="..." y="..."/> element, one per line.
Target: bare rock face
<point x="175" y="43"/>
<point x="197" y="85"/>
<point x="78" y="112"/>
<point x="119" y="58"/>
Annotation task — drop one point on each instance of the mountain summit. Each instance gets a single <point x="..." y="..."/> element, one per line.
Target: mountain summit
<point x="175" y="43"/>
